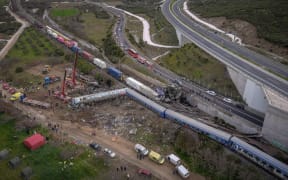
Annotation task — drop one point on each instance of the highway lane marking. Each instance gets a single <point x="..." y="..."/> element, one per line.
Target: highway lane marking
<point x="220" y="57"/>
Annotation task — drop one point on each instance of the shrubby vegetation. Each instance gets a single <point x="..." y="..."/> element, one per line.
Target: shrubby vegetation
<point x="269" y="16"/>
<point x="112" y="51"/>
<point x="193" y="63"/>
<point x="8" y="26"/>
<point x="64" y="12"/>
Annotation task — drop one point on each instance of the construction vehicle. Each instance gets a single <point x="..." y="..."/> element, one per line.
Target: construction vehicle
<point x="15" y="96"/>
<point x="46" y="69"/>
<point x="51" y="79"/>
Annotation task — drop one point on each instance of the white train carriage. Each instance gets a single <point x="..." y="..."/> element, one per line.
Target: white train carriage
<point x="98" y="96"/>
<point x="140" y="87"/>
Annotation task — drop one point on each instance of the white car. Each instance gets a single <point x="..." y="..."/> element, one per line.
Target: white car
<point x="141" y="149"/>
<point x="227" y="100"/>
<point x="109" y="152"/>
<point x="212" y="93"/>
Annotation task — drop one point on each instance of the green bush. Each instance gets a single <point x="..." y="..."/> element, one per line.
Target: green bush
<point x="18" y="70"/>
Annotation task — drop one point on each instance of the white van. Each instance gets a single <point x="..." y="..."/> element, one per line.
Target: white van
<point x="182" y="171"/>
<point x="172" y="158"/>
<point x="141" y="149"/>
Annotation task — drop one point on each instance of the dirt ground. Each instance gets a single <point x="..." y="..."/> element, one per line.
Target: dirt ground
<point x="248" y="33"/>
<point x="107" y="133"/>
<point x="117" y="124"/>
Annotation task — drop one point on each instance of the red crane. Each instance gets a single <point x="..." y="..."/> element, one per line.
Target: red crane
<point x="63" y="85"/>
<point x="74" y="69"/>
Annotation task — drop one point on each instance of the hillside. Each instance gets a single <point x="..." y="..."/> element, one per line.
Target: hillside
<point x="270" y="17"/>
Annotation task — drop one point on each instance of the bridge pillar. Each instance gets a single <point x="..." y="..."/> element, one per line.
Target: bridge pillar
<point x="182" y="40"/>
<point x="275" y="127"/>
<point x="251" y="92"/>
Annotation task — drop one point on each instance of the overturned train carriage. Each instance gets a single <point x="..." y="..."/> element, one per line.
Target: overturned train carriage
<point x="98" y="97"/>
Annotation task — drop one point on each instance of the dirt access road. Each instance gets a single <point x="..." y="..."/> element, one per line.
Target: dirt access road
<point x="15" y="37"/>
<point x="83" y="134"/>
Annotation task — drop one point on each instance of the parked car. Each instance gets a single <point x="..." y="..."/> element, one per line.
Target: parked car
<point x="156" y="157"/>
<point x="144" y="172"/>
<point x="182" y="171"/>
<point x="95" y="146"/>
<point x="227" y="100"/>
<point x="12" y="90"/>
<point x="109" y="153"/>
<point x="175" y="160"/>
<point x="212" y="93"/>
<point x="141" y="149"/>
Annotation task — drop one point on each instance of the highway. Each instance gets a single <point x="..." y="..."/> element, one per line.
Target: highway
<point x="221" y="48"/>
<point x="188" y="86"/>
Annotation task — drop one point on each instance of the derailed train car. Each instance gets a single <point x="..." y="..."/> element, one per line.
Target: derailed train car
<point x="266" y="161"/>
<point x="140" y="87"/>
<point x="259" y="157"/>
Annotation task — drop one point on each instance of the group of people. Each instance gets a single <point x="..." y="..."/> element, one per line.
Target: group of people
<point x="140" y="156"/>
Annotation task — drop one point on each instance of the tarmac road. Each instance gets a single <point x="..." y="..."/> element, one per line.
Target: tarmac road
<point x="187" y="85"/>
<point x="220" y="49"/>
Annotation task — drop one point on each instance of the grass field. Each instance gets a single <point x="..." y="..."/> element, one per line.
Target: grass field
<point x="193" y="63"/>
<point x="269" y="16"/>
<point x="64" y="12"/>
<point x="95" y="28"/>
<point x="46" y="162"/>
<point x="31" y="49"/>
<point x="90" y="22"/>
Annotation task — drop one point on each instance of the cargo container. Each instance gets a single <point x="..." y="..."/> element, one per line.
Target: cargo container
<point x="61" y="40"/>
<point x="70" y="44"/>
<point x="98" y="62"/>
<point x="154" y="156"/>
<point x="86" y="55"/>
<point x="115" y="73"/>
<point x="54" y="35"/>
<point x="75" y="49"/>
